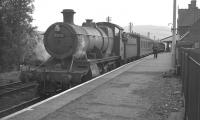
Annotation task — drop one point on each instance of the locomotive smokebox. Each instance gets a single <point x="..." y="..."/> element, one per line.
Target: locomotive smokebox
<point x="68" y="16"/>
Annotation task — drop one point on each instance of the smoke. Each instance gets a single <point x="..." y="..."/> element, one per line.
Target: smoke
<point x="39" y="50"/>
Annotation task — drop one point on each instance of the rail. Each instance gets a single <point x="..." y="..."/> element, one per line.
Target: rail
<point x="10" y="84"/>
<point x="20" y="106"/>
<point x="14" y="89"/>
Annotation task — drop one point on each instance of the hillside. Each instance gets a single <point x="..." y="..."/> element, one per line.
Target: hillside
<point x="158" y="31"/>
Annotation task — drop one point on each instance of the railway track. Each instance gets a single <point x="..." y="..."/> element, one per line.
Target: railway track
<point x="16" y="96"/>
<point x="20" y="106"/>
<point x="15" y="87"/>
<point x="11" y="84"/>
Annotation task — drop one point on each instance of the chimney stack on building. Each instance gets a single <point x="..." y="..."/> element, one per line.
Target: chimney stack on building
<point x="192" y="5"/>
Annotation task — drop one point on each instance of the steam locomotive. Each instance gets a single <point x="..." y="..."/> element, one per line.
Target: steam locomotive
<point x="79" y="53"/>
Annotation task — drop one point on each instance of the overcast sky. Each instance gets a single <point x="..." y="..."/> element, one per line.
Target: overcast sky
<point x="139" y="12"/>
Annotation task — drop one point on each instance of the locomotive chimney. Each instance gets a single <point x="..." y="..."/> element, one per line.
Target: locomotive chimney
<point x="68" y="16"/>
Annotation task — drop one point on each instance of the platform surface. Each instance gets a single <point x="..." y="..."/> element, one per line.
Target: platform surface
<point x="111" y="97"/>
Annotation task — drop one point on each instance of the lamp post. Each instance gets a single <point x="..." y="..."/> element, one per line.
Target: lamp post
<point x="174" y="34"/>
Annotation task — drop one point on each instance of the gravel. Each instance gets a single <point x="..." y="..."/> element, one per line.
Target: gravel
<point x="165" y="94"/>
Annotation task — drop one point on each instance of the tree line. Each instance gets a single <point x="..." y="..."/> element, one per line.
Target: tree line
<point x="17" y="35"/>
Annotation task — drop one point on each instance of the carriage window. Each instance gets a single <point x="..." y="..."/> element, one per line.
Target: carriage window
<point x="142" y="44"/>
<point x="146" y="44"/>
<point x="117" y="32"/>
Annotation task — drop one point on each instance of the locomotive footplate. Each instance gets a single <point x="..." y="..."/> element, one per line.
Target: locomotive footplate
<point x="53" y="81"/>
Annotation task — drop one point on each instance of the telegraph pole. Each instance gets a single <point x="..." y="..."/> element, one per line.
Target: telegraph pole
<point x="174" y="34"/>
<point x="130" y="27"/>
<point x="108" y="19"/>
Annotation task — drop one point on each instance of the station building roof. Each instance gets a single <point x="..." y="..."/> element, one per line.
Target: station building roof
<point x="169" y="38"/>
<point x="192" y="36"/>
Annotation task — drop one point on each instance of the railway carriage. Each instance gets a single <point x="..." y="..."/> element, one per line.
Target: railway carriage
<point x="161" y="47"/>
<point x="137" y="46"/>
<point x="131" y="47"/>
<point x="146" y="45"/>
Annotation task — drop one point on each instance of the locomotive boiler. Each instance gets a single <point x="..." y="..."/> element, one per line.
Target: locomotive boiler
<point x="64" y="39"/>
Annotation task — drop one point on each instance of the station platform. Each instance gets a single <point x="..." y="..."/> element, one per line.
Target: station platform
<point x="122" y="94"/>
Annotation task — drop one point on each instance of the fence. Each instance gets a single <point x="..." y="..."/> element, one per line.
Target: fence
<point x="189" y="60"/>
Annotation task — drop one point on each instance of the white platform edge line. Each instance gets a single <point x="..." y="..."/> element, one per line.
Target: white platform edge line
<point x="64" y="92"/>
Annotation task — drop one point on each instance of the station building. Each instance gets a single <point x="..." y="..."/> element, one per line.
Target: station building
<point x="189" y="26"/>
<point x="187" y="17"/>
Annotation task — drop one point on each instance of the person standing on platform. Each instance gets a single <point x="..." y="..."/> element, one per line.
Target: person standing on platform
<point x="155" y="51"/>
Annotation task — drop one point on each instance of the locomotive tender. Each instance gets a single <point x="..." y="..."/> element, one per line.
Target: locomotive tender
<point x="79" y="53"/>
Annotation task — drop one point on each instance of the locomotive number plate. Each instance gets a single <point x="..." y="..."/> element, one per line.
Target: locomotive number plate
<point x="59" y="35"/>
